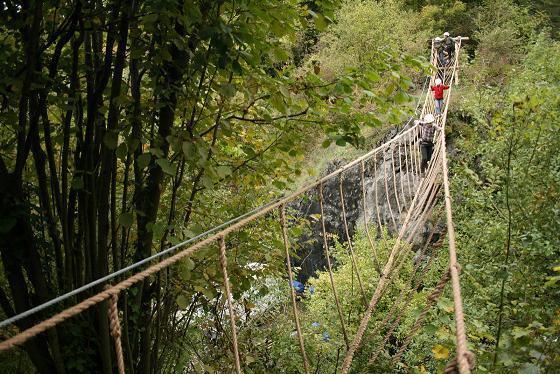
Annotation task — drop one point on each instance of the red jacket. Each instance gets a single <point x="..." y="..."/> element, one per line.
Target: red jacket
<point x="438" y="91"/>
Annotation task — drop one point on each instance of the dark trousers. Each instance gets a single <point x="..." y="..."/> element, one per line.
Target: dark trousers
<point x="427" y="149"/>
<point x="450" y="56"/>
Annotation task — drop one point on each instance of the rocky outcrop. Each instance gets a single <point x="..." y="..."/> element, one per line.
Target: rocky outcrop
<point x="387" y="174"/>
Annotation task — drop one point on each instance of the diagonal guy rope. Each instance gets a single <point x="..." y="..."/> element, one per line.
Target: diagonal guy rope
<point x="227" y="288"/>
<point x="292" y="291"/>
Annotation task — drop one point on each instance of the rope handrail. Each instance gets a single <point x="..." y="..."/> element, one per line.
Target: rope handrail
<point x="463" y="353"/>
<point x="279" y="201"/>
<point x="11" y="320"/>
<point x="253" y="214"/>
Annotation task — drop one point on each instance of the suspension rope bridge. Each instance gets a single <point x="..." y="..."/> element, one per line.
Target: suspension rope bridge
<point x="416" y="197"/>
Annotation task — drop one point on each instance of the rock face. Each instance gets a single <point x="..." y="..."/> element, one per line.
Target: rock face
<point x="388" y="174"/>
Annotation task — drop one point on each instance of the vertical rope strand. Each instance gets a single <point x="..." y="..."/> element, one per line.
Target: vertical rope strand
<point x="115" y="326"/>
<point x="411" y="156"/>
<point x="349" y="240"/>
<point x="329" y="267"/>
<point x="292" y="292"/>
<point x="406" y="150"/>
<point x="223" y="264"/>
<point x="376" y="195"/>
<point x="402" y="174"/>
<point x="387" y="194"/>
<point x="373" y="249"/>
<point x="395" y="189"/>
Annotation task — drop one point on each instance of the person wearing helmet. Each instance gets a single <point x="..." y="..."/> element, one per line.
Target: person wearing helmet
<point x="438" y="89"/>
<point x="449" y="45"/>
<point x="429" y="128"/>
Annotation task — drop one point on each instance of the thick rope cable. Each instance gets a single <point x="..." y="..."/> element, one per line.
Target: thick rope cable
<point x="404" y="298"/>
<point x="366" y="228"/>
<point x="408" y="171"/>
<point x="463" y="353"/>
<point x="401" y="177"/>
<point x="115" y="326"/>
<point x="227" y="289"/>
<point x="430" y="301"/>
<point x="329" y="268"/>
<point x="349" y="241"/>
<point x="292" y="291"/>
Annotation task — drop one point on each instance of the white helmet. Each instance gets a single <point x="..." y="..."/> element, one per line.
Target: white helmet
<point x="438" y="81"/>
<point x="446" y="34"/>
<point x="437" y="39"/>
<point x="429" y="118"/>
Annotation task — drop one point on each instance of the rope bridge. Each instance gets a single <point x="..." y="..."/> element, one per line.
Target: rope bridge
<point x="416" y="195"/>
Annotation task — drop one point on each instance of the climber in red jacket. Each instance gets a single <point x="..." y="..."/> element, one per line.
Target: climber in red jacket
<point x="438" y="94"/>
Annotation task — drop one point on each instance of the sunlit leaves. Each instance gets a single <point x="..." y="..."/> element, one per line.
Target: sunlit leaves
<point x="440" y="352"/>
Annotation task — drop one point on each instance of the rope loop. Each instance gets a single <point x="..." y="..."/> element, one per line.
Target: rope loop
<point x="115" y="327"/>
<point x="114" y="316"/>
<point x="453" y="366"/>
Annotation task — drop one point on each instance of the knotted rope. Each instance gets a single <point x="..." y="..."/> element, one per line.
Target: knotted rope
<point x="115" y="326"/>
<point x="453" y="366"/>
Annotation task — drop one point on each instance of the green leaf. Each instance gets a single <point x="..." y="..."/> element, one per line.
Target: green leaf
<point x="111" y="139"/>
<point x="207" y="182"/>
<point x="143" y="160"/>
<point x="77" y="182"/>
<point x="528" y="368"/>
<point x="326" y="143"/>
<point x="182" y="301"/>
<point x="167" y="166"/>
<point x="228" y="90"/>
<point x="122" y="151"/>
<point x="320" y="22"/>
<point x="519" y="332"/>
<point x="223" y="171"/>
<point x="125" y="219"/>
